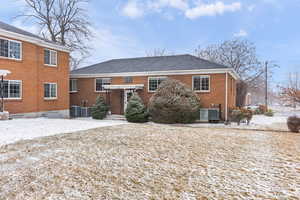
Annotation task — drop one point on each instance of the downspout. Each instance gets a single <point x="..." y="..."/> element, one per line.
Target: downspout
<point x="2" y="94"/>
<point x="226" y="97"/>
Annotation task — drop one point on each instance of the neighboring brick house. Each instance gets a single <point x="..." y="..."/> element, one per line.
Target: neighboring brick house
<point x="117" y="79"/>
<point x="39" y="81"/>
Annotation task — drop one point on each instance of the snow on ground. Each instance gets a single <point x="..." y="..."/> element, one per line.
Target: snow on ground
<point x="142" y="161"/>
<point x="21" y="129"/>
<point x="277" y="122"/>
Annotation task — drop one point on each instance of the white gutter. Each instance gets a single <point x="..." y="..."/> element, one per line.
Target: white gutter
<point x="159" y="73"/>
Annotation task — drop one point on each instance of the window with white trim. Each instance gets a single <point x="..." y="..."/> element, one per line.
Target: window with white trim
<point x="50" y="90"/>
<point x="50" y="57"/>
<point x="10" y="49"/>
<point x="153" y="83"/>
<point x="128" y="79"/>
<point x="12" y="89"/>
<point x="73" y="85"/>
<point x="201" y="83"/>
<point x="100" y="82"/>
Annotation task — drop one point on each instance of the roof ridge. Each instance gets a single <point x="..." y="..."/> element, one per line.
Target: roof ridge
<point x="143" y="57"/>
<point x="15" y="27"/>
<point x="16" y="30"/>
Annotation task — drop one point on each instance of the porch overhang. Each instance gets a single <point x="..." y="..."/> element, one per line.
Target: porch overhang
<point x="124" y="87"/>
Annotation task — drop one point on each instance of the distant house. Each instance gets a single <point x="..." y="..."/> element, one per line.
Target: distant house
<point x="117" y="79"/>
<point x="39" y="81"/>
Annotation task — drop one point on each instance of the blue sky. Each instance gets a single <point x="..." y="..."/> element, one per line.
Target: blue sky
<point x="129" y="28"/>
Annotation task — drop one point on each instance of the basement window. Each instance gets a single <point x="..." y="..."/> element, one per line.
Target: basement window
<point x="73" y="85"/>
<point x="128" y="79"/>
<point x="153" y="83"/>
<point x="201" y="83"/>
<point x="100" y="82"/>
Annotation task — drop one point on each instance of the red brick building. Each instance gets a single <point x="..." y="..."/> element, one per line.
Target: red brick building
<point x="116" y="79"/>
<point x="39" y="81"/>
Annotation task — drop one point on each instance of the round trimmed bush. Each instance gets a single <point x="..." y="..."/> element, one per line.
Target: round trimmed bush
<point x="293" y="123"/>
<point x="136" y="111"/>
<point x="173" y="102"/>
<point x="100" y="109"/>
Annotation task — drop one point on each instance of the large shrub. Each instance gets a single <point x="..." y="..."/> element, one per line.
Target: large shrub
<point x="293" y="123"/>
<point x="173" y="102"/>
<point x="136" y="111"/>
<point x="100" y="109"/>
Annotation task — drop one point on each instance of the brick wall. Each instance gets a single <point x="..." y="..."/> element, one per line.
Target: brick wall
<point x="33" y="74"/>
<point x="86" y="91"/>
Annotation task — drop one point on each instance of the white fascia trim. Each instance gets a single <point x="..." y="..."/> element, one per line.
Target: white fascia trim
<point x="160" y="73"/>
<point x="33" y="40"/>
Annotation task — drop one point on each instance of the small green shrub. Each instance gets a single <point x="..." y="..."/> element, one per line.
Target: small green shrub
<point x="269" y="113"/>
<point x="136" y="111"/>
<point x="293" y="123"/>
<point x="100" y="109"/>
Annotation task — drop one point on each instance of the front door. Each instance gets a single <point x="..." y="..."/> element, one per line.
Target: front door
<point x="127" y="95"/>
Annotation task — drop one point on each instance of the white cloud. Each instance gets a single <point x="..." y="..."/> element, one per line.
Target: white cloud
<point x="213" y="9"/>
<point x="241" y="33"/>
<point x="133" y="9"/>
<point x="137" y="8"/>
<point x="158" y="4"/>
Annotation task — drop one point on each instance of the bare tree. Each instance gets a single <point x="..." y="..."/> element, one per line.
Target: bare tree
<point x="64" y="22"/>
<point x="240" y="55"/>
<point x="290" y="92"/>
<point x="158" y="52"/>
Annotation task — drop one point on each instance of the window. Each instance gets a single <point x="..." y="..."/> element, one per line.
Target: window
<point x="73" y="85"/>
<point x="50" y="57"/>
<point x="100" y="82"/>
<point x="201" y="83"/>
<point x="50" y="90"/>
<point x="128" y="79"/>
<point x="154" y="82"/>
<point x="12" y="89"/>
<point x="10" y="49"/>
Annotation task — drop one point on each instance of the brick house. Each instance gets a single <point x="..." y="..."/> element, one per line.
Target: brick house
<point x="116" y="79"/>
<point x="39" y="81"/>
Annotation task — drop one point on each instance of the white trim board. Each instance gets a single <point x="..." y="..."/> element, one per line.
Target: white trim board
<point x="160" y="73"/>
<point x="37" y="41"/>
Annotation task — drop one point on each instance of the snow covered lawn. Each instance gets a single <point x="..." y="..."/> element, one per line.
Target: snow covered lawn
<point x="136" y="161"/>
<point x="21" y="129"/>
<point x="259" y="122"/>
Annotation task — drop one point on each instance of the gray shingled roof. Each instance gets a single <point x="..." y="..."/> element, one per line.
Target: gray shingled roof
<point x="11" y="28"/>
<point x="148" y="64"/>
<point x="14" y="29"/>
